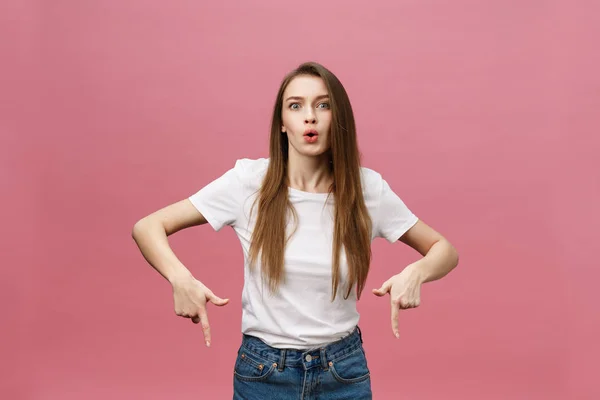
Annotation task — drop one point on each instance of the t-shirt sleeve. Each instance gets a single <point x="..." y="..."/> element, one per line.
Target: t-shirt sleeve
<point x="220" y="201"/>
<point x="393" y="217"/>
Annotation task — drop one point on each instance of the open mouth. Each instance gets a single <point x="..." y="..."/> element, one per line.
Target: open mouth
<point x="311" y="136"/>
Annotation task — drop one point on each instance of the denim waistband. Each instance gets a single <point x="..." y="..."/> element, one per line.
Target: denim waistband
<point x="306" y="358"/>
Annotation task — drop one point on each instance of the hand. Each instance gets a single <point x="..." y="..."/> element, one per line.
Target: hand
<point x="405" y="292"/>
<point x="190" y="297"/>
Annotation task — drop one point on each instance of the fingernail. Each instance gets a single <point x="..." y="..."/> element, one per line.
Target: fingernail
<point x="207" y="343"/>
<point x="397" y="335"/>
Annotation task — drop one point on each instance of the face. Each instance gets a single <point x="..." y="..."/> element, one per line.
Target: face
<point x="306" y="115"/>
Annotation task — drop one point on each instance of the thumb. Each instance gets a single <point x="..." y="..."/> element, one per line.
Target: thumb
<point x="217" y="300"/>
<point x="382" y="290"/>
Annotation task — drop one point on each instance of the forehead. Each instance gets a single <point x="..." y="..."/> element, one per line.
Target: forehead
<point x="305" y="86"/>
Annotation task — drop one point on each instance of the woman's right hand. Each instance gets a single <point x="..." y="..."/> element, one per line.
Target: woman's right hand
<point x="190" y="297"/>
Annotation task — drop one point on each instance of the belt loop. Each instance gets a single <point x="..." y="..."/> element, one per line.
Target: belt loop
<point x="324" y="359"/>
<point x="359" y="333"/>
<point x="281" y="360"/>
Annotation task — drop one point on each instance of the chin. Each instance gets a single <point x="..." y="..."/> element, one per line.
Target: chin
<point x="312" y="150"/>
<point x="314" y="153"/>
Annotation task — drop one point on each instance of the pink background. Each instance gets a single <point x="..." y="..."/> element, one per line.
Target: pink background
<point x="482" y="115"/>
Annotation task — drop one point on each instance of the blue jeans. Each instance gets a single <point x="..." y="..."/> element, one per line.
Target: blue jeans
<point x="337" y="371"/>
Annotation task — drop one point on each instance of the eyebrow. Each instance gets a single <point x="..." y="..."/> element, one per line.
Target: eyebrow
<point x="323" y="96"/>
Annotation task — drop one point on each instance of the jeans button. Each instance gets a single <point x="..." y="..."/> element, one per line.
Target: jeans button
<point x="308" y="358"/>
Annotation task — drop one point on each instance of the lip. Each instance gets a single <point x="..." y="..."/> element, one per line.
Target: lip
<point x="311" y="136"/>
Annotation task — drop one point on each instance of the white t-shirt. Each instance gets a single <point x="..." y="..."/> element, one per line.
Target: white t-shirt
<point x="301" y="314"/>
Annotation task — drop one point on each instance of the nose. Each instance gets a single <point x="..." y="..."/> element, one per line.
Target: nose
<point x="310" y="118"/>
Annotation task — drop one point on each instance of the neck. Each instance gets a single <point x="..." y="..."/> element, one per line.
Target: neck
<point x="308" y="173"/>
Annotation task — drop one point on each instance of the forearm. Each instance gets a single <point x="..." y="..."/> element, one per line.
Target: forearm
<point x="151" y="238"/>
<point x="441" y="258"/>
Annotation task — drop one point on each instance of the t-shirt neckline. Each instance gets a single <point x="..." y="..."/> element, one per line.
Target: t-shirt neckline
<point x="313" y="195"/>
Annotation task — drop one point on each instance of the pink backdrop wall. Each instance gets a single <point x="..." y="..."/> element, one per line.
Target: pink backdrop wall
<point x="483" y="116"/>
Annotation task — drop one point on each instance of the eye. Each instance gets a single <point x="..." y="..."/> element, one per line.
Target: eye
<point x="292" y="106"/>
<point x="324" y="104"/>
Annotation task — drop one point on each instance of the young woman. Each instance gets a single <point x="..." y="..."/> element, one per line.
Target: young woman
<point x="306" y="217"/>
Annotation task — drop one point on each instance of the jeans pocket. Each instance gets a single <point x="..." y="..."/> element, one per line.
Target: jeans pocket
<point x="250" y="367"/>
<point x="350" y="369"/>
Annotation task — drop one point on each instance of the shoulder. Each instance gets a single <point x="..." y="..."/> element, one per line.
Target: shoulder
<point x="251" y="166"/>
<point x="372" y="182"/>
<point x="251" y="171"/>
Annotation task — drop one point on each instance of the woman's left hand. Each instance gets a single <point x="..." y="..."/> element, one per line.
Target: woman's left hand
<point x="405" y="292"/>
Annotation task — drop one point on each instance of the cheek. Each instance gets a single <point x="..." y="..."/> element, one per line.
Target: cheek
<point x="327" y="121"/>
<point x="286" y="120"/>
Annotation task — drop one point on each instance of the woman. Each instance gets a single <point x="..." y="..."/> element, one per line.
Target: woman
<point x="305" y="217"/>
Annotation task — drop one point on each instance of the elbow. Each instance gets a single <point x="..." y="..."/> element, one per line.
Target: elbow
<point x="135" y="231"/>
<point x="455" y="256"/>
<point x="451" y="253"/>
<point x="138" y="228"/>
<point x="145" y="225"/>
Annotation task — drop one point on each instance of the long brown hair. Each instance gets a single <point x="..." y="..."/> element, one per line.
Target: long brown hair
<point x="352" y="222"/>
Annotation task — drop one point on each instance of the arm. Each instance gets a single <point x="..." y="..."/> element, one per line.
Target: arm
<point x="150" y="233"/>
<point x="439" y="256"/>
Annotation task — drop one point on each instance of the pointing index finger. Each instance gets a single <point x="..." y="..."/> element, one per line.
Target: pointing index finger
<point x="395" y="313"/>
<point x="204" y="322"/>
